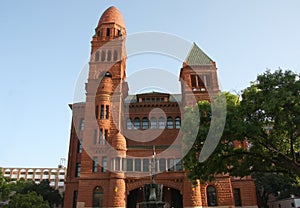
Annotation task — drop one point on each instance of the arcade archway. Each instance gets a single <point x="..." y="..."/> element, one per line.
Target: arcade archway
<point x="171" y="196"/>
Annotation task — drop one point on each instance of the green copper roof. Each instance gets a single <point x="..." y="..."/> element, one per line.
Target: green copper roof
<point x="197" y="57"/>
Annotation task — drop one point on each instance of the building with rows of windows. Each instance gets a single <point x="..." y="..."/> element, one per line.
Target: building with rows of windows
<point x="56" y="176"/>
<point x="118" y="141"/>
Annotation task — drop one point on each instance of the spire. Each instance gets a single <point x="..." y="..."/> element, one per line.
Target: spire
<point x="197" y="57"/>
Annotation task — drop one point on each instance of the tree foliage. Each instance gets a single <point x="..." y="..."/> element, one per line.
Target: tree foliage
<point x="261" y="133"/>
<point x="20" y="190"/>
<point x="217" y="162"/>
<point x="271" y="108"/>
<point x="4" y="188"/>
<point x="43" y="189"/>
<point x="30" y="199"/>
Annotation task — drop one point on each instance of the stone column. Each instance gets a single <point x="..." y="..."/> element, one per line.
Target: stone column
<point x="191" y="194"/>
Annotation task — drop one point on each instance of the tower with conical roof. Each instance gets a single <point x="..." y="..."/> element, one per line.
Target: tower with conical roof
<point x="198" y="77"/>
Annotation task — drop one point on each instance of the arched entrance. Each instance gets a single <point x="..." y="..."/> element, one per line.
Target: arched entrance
<point x="171" y="196"/>
<point x="135" y="196"/>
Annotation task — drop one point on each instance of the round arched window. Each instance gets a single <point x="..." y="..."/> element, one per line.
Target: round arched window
<point x="145" y="123"/>
<point x="98" y="197"/>
<point x="211" y="194"/>
<point x="170" y="123"/>
<point x="137" y="123"/>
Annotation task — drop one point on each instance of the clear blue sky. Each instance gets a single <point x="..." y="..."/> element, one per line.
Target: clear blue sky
<point x="45" y="44"/>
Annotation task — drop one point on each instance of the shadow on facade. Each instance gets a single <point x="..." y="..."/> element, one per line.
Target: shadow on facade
<point x="171" y="196"/>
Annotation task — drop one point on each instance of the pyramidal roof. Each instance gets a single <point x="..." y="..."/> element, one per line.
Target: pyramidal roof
<point x="197" y="57"/>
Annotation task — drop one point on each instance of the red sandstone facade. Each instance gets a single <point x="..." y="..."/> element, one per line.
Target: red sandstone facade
<point x="110" y="152"/>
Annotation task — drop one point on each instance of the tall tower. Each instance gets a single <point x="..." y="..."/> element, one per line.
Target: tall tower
<point x="198" y="77"/>
<point x="101" y="139"/>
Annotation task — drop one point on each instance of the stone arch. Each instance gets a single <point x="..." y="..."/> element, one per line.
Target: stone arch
<point x="98" y="198"/>
<point x="172" y="191"/>
<point x="167" y="183"/>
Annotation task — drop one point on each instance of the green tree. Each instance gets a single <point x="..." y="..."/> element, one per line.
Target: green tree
<point x="30" y="199"/>
<point x="4" y="188"/>
<point x="261" y="135"/>
<point x="48" y="193"/>
<point x="271" y="108"/>
<point x="44" y="189"/>
<point x="214" y="155"/>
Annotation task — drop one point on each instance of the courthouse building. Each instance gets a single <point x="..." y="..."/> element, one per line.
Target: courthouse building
<point x="113" y="134"/>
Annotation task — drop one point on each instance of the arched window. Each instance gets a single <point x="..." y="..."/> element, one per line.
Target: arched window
<point x="109" y="55"/>
<point x="161" y="123"/>
<point x="145" y="123"/>
<point x="129" y="123"/>
<point x="170" y="124"/>
<point x="103" y="56"/>
<point x="177" y="122"/>
<point x="115" y="55"/>
<point x="137" y="123"/>
<point x="97" y="56"/>
<point x="98" y="197"/>
<point x="153" y="123"/>
<point x="211" y="195"/>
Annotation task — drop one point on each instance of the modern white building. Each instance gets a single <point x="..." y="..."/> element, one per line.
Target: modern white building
<point x="56" y="176"/>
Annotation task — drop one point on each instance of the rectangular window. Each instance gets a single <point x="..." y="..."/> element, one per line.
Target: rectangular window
<point x="146" y="165"/>
<point x="104" y="164"/>
<point x="194" y="80"/>
<point x="137" y="164"/>
<point x="107" y="32"/>
<point x="97" y="112"/>
<point x="129" y="164"/>
<point x="237" y="197"/>
<point x="123" y="164"/>
<point x="162" y="164"/>
<point x="95" y="164"/>
<point x="105" y="136"/>
<point x="170" y="164"/>
<point x="75" y="195"/>
<point x="95" y="136"/>
<point x="178" y="165"/>
<point x="77" y="171"/>
<point x="79" y="147"/>
<point x="100" y="136"/>
<point x="202" y="81"/>
<point x="107" y="112"/>
<point x="102" y="112"/>
<point x="118" y="164"/>
<point x="81" y="126"/>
